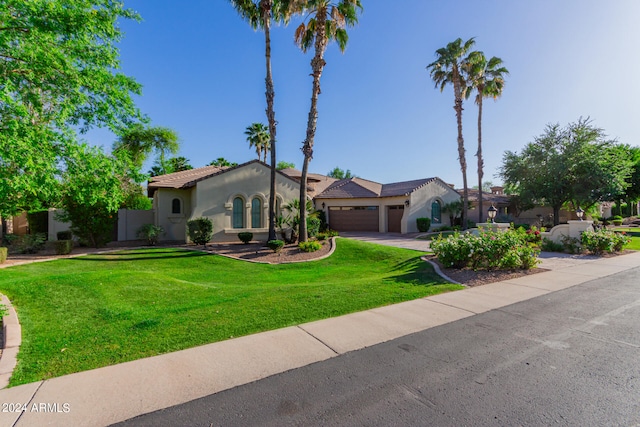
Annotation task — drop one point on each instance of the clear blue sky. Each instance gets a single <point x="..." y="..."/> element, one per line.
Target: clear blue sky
<point x="202" y="71"/>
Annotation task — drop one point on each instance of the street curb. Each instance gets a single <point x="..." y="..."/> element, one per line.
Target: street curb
<point x="436" y="267"/>
<point x="12" y="332"/>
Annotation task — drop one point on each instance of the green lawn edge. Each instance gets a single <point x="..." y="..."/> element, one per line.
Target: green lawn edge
<point x="98" y="310"/>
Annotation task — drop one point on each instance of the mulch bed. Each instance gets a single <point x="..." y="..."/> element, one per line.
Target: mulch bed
<point x="258" y="252"/>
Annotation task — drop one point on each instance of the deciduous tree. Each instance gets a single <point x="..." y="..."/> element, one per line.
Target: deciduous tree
<point x="58" y="73"/>
<point x="576" y="164"/>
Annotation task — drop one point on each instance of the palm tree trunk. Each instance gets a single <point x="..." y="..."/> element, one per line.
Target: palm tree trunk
<point x="479" y="154"/>
<point x="271" y="116"/>
<point x="463" y="164"/>
<point x="317" y="65"/>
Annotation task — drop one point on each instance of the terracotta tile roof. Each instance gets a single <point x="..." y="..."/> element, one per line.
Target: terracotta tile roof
<point x="501" y="199"/>
<point x="185" y="179"/>
<point x="404" y="188"/>
<point x="358" y="188"/>
<point x="316" y="183"/>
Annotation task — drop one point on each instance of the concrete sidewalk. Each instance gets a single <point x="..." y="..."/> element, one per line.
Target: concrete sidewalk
<point x="107" y="395"/>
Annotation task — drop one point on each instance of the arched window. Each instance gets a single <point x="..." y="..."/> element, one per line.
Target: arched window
<point x="238" y="212"/>
<point x="256" y="213"/>
<point x="176" y="206"/>
<point x="436" y="214"/>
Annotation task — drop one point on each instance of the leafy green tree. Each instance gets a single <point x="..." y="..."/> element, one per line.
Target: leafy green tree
<point x="285" y="165"/>
<point x="340" y="174"/>
<point x="574" y="164"/>
<point x="58" y="72"/>
<point x="258" y="137"/>
<point x="449" y="69"/>
<point x="260" y="14"/>
<point x="92" y="193"/>
<point x="326" y="22"/>
<point x="487" y="78"/>
<point x="221" y="161"/>
<point x="140" y="141"/>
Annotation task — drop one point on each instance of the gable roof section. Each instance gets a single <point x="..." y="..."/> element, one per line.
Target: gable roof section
<point x="404" y="188"/>
<point x="353" y="188"/>
<point x="185" y="179"/>
<point x="188" y="179"/>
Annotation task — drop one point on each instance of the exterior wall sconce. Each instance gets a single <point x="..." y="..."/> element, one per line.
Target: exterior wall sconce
<point x="407" y="202"/>
<point x="580" y="213"/>
<point x="492" y="213"/>
<point x="323" y="205"/>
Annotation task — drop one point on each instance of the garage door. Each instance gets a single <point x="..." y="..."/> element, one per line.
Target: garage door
<point x="394" y="218"/>
<point x="354" y="218"/>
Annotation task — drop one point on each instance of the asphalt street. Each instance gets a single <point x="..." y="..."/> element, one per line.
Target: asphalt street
<point x="571" y="357"/>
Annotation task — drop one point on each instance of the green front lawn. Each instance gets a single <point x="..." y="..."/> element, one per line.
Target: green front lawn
<point x="634" y="233"/>
<point x="92" y="311"/>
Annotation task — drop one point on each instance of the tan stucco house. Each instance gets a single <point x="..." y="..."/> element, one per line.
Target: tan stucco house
<point x="236" y="199"/>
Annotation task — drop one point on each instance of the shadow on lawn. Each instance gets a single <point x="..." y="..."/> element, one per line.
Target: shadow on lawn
<point x="416" y="273"/>
<point x="141" y="255"/>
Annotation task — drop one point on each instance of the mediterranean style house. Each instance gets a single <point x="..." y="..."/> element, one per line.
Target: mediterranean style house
<point x="236" y="199"/>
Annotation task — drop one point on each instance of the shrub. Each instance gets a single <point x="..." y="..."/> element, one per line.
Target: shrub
<point x="423" y="224"/>
<point x="245" y="237"/>
<point x="331" y="233"/>
<point x="488" y="250"/>
<point x="322" y="216"/>
<point x="571" y="245"/>
<point x="617" y="222"/>
<point x="598" y="242"/>
<point x="549" y="245"/>
<point x="64" y="235"/>
<point x="63" y="247"/>
<point x="3" y="254"/>
<point x="9" y="239"/>
<point x="150" y="233"/>
<point x="309" y="246"/>
<point x="200" y="230"/>
<point x="30" y="243"/>
<point x="532" y="234"/>
<point x="313" y="226"/>
<point x="275" y="245"/>
<point x="321" y="236"/>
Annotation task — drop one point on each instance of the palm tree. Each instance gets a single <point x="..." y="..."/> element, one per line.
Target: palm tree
<point x="258" y="137"/>
<point x="448" y="69"/>
<point x="326" y="22"/>
<point x="487" y="78"/>
<point x="221" y="161"/>
<point x="259" y="14"/>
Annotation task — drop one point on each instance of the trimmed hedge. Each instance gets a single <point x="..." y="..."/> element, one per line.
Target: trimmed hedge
<point x="275" y="245"/>
<point x="245" y="237"/>
<point x="200" y="230"/>
<point x="63" y="247"/>
<point x="423" y="224"/>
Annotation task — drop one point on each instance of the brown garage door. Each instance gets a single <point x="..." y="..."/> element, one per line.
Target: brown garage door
<point x="354" y="218"/>
<point x="394" y="218"/>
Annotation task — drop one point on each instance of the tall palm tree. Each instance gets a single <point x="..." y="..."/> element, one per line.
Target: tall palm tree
<point x="448" y="69"/>
<point x="487" y="78"/>
<point x="258" y="137"/>
<point x="326" y="22"/>
<point x="259" y="14"/>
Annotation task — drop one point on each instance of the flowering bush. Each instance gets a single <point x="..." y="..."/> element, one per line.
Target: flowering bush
<point x="488" y="250"/>
<point x="601" y="241"/>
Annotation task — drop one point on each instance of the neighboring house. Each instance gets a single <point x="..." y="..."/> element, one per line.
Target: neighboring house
<point x="236" y="199"/>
